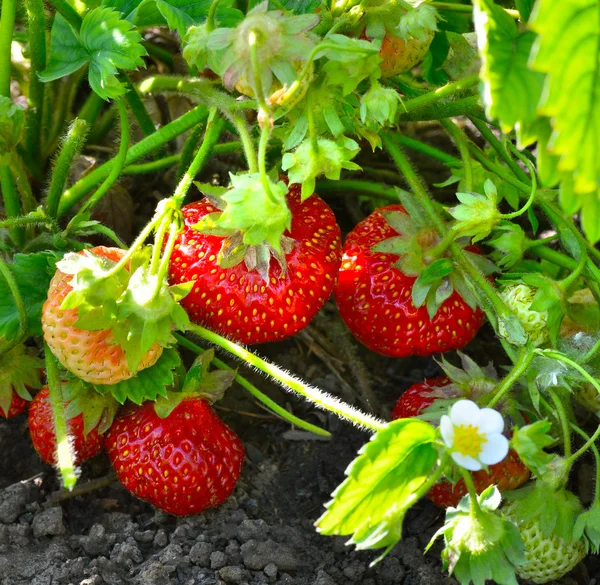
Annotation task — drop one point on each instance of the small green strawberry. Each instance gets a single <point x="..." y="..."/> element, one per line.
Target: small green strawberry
<point x="518" y="298"/>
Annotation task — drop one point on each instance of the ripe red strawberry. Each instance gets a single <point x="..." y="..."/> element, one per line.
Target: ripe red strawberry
<point x="509" y="474"/>
<point x="400" y="56"/>
<point x="183" y="464"/>
<point x="43" y="436"/>
<point x="237" y="301"/>
<point x="374" y="295"/>
<point x="93" y="356"/>
<point x="17" y="406"/>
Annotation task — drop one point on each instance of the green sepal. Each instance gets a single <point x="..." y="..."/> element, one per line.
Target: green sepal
<point x="19" y="369"/>
<point x="587" y="527"/>
<point x="530" y="441"/>
<point x="380" y="486"/>
<point x="477" y="214"/>
<point x="305" y="164"/>
<point x="550" y="298"/>
<point x="509" y="242"/>
<point x="149" y="383"/>
<point x="379" y="105"/>
<point x="12" y="124"/>
<point x="532" y="503"/>
<point x="98" y="410"/>
<point x="481" y="547"/>
<point x="424" y="285"/>
<point x="250" y="210"/>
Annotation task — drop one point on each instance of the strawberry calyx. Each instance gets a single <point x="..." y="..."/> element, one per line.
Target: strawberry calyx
<point x="403" y="19"/>
<point x="19" y="370"/>
<point x="282" y="40"/>
<point x="98" y="410"/>
<point x="199" y="382"/>
<point x="251" y="221"/>
<point x="417" y="246"/>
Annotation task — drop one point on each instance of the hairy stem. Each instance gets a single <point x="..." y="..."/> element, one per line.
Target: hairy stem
<point x="68" y="13"/>
<point x="12" y="206"/>
<point x="188" y="150"/>
<point x="470" y="484"/>
<point x="519" y="368"/>
<point x="138" y="109"/>
<point x="355" y="185"/>
<point x="559" y="412"/>
<point x="461" y="142"/>
<point x="262" y="161"/>
<point x="64" y="456"/>
<point x="71" y="147"/>
<point x="289" y="382"/>
<point x="244" y="383"/>
<point x="440" y="93"/>
<point x="120" y="159"/>
<point x="248" y="144"/>
<point x="7" y="26"/>
<point x="431" y="151"/>
<point x="19" y="304"/>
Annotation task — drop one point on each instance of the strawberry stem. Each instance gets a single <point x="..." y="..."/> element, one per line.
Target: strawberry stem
<point x="212" y="133"/>
<point x="289" y="382"/>
<point x="461" y="142"/>
<point x="262" y="160"/>
<point x="594" y="449"/>
<point x="19" y="304"/>
<point x="559" y="412"/>
<point x="211" y="22"/>
<point x="256" y="78"/>
<point x="166" y="256"/>
<point x="244" y="383"/>
<point x="119" y="160"/>
<point x="247" y="143"/>
<point x="520" y="366"/>
<point x="469" y="483"/>
<point x="432" y="479"/>
<point x="64" y="455"/>
<point x="533" y="192"/>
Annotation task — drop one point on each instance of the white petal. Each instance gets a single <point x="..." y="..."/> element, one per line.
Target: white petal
<point x="466" y="461"/>
<point x="447" y="430"/>
<point x="494" y="449"/>
<point x="490" y="421"/>
<point x="465" y="412"/>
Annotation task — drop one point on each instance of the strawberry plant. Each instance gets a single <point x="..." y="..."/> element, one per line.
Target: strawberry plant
<point x="323" y="101"/>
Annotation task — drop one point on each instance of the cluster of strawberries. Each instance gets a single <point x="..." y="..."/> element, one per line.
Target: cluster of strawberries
<point x="190" y="460"/>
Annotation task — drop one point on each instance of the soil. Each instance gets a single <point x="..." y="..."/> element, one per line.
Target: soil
<point x="264" y="534"/>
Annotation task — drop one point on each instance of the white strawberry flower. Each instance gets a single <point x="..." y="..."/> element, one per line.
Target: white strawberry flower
<point x="474" y="435"/>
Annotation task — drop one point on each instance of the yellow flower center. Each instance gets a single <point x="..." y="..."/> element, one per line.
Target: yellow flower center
<point x="468" y="441"/>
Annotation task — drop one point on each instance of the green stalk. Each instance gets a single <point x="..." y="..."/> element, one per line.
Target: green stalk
<point x="461" y="142"/>
<point x="262" y="160"/>
<point x="431" y="480"/>
<point x="354" y="185"/>
<point x="520" y="366"/>
<point x="159" y="53"/>
<point x="24" y="220"/>
<point x="499" y="170"/>
<point x="256" y="69"/>
<point x="293" y="384"/>
<point x="36" y="25"/>
<point x="12" y="206"/>
<point x="467" y="8"/>
<point x="553" y="256"/>
<point x="28" y="200"/>
<point x="440" y="93"/>
<point x="469" y="106"/>
<point x="591" y="353"/>
<point x="71" y="147"/>
<point x="138" y="109"/>
<point x="244" y="383"/>
<point x="19" y="304"/>
<point x="68" y="13"/>
<point x="591" y="444"/>
<point x="559" y="412"/>
<point x="247" y="143"/>
<point x="468" y="479"/>
<point x="7" y="26"/>
<point x="64" y="456"/>
<point x="188" y="150"/>
<point x="211" y="22"/>
<point x="119" y="160"/>
<point x="214" y="127"/>
<point x="431" y="151"/>
<point x="490" y="137"/>
<point x="91" y="108"/>
<point x="73" y="195"/>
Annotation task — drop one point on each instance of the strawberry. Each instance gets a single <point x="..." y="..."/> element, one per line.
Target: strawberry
<point x="255" y="300"/>
<point x="519" y="299"/>
<point x="549" y="557"/>
<point x="183" y="463"/>
<point x="20" y="372"/>
<point x="375" y="289"/>
<point x="41" y="428"/>
<point x="399" y="55"/>
<point x="92" y="355"/>
<point x="509" y="474"/>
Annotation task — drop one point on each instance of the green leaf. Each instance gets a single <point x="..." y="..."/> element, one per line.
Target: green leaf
<point x="32" y="274"/>
<point x="463" y="59"/>
<point x="381" y="484"/>
<point x="105" y="42"/>
<point x="568" y="50"/>
<point x="588" y="526"/>
<point x="524" y="7"/>
<point x="511" y="89"/>
<point x="301" y="6"/>
<point x="590" y="216"/>
<point x="434" y="273"/>
<point x="530" y="441"/>
<point x="20" y="371"/>
<point x="149" y="383"/>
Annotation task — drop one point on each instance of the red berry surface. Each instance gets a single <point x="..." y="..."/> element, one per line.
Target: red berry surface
<point x="41" y="429"/>
<point x="182" y="464"/>
<point x="374" y="298"/>
<point x="92" y="356"/>
<point x="399" y="56"/>
<point x="239" y="303"/>
<point x="509" y="474"/>
<point x="17" y="406"/>
<point x="417" y="398"/>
